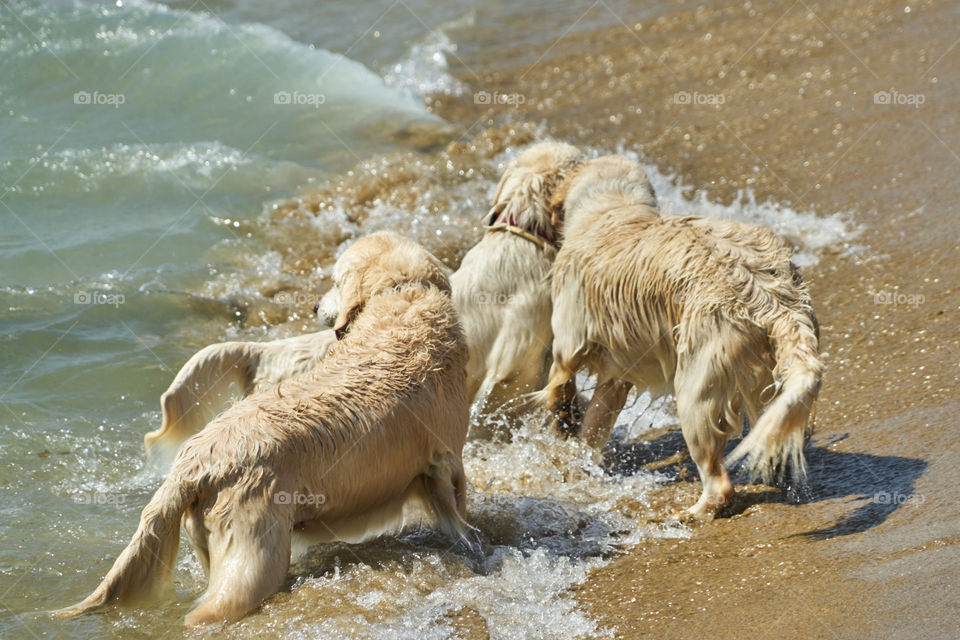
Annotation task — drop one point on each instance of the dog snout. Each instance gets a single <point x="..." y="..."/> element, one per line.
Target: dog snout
<point x="328" y="307"/>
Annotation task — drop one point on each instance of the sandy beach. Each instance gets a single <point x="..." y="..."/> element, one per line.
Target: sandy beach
<point x="780" y="98"/>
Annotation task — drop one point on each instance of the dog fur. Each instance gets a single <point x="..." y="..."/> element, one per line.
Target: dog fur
<point x="380" y="422"/>
<point x="501" y="289"/>
<point x="712" y="311"/>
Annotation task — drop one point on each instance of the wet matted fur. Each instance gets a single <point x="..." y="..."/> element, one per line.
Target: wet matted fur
<point x="502" y="290"/>
<point x="712" y="311"/>
<point x="381" y="421"/>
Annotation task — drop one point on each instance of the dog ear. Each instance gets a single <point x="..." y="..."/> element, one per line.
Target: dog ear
<point x="558" y="198"/>
<point x="557" y="201"/>
<point x="436" y="274"/>
<point x="494" y="213"/>
<point x="351" y="303"/>
<point x="498" y="206"/>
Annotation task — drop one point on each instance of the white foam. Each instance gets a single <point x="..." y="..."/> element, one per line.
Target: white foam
<point x="810" y="233"/>
<point x="807" y="231"/>
<point x="425" y="67"/>
<point x="192" y="163"/>
<point x="641" y="414"/>
<point x="525" y="598"/>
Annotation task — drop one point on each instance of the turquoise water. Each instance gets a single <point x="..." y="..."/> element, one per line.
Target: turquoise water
<point x="134" y="138"/>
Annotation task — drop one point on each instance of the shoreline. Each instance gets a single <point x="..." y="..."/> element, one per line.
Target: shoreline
<point x="799" y="125"/>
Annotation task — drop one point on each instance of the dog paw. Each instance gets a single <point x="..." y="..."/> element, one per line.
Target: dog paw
<point x="567" y="422"/>
<point x="565" y="426"/>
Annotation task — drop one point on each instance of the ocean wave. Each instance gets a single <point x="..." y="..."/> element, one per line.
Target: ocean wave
<point x="425" y="68"/>
<point x="809" y="232"/>
<point x="144" y="73"/>
<point x="194" y="165"/>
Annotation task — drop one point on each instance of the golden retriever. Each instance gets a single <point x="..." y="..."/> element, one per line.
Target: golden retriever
<point x="206" y="383"/>
<point x="501" y="292"/>
<point x="501" y="289"/>
<point x="341" y="449"/>
<point x="712" y="311"/>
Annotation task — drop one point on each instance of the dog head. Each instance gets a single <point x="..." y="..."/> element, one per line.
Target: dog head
<point x="613" y="176"/>
<point x="372" y="265"/>
<point x="523" y="195"/>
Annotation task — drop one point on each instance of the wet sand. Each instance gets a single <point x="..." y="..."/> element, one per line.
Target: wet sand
<point x="871" y="549"/>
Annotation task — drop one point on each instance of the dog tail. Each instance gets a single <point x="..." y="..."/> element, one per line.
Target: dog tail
<point x="145" y="566"/>
<point x="777" y="439"/>
<point x="199" y="392"/>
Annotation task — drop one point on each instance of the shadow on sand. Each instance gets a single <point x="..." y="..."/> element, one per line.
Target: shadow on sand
<point x="881" y="484"/>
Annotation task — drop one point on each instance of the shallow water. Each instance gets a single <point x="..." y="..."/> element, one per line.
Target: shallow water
<point x="137" y="232"/>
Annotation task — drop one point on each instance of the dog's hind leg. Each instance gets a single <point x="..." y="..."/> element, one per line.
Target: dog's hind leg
<point x="501" y="403"/>
<point x="197" y="535"/>
<point x="700" y="407"/>
<point x="249" y="558"/>
<point x="446" y="488"/>
<point x="608" y="399"/>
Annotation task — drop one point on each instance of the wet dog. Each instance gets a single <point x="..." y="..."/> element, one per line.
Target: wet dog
<point x="380" y="422"/>
<point x="501" y="289"/>
<point x="712" y="311"/>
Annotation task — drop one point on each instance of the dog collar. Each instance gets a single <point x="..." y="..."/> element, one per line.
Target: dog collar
<point x="538" y="240"/>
